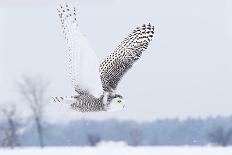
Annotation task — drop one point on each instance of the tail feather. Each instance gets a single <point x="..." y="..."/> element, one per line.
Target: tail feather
<point x="65" y="99"/>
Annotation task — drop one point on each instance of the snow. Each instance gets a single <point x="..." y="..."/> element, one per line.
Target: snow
<point x="119" y="150"/>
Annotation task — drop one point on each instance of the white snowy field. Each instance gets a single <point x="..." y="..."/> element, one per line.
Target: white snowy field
<point x="119" y="150"/>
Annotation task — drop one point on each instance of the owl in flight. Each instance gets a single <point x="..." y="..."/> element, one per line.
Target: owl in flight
<point x="95" y="84"/>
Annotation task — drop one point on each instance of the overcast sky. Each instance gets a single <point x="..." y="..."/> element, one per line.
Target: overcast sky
<point x="186" y="71"/>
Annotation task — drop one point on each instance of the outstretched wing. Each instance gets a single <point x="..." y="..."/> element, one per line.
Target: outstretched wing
<point x="82" y="61"/>
<point x="121" y="60"/>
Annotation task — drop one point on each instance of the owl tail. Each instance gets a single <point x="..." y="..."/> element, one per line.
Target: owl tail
<point x="66" y="99"/>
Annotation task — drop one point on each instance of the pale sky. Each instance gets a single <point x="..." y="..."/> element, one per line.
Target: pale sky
<point x="186" y="71"/>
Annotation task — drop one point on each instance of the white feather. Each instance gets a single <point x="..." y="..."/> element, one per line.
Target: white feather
<point x="82" y="60"/>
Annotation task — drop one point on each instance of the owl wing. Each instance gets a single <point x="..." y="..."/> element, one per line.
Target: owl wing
<point x="82" y="61"/>
<point x="121" y="60"/>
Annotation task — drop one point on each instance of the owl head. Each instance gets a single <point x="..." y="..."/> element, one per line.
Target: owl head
<point x="116" y="103"/>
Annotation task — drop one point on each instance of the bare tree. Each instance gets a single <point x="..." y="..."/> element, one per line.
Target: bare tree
<point x="33" y="92"/>
<point x="10" y="132"/>
<point x="220" y="136"/>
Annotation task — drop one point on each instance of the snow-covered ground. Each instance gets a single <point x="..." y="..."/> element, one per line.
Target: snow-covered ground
<point x="119" y="150"/>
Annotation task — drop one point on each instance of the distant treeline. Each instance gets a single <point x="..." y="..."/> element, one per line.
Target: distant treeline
<point x="215" y="131"/>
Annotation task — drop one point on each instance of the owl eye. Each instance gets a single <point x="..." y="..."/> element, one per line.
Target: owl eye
<point x="119" y="101"/>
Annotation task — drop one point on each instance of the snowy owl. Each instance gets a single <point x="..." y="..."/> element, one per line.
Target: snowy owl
<point x="95" y="86"/>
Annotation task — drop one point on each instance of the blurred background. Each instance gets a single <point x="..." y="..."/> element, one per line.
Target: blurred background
<point x="179" y="93"/>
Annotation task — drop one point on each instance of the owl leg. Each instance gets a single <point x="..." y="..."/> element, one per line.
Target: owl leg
<point x="105" y="97"/>
<point x="113" y="92"/>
